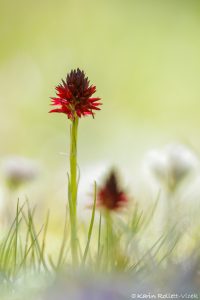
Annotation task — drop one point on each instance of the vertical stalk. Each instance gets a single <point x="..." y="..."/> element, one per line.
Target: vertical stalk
<point x="109" y="241"/>
<point x="73" y="185"/>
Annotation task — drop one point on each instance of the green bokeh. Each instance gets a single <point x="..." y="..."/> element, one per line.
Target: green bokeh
<point x="143" y="56"/>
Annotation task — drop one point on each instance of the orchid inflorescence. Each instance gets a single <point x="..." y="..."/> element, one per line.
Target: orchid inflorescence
<point x="74" y="96"/>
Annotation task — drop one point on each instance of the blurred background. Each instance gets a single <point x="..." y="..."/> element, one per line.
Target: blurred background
<point x="142" y="55"/>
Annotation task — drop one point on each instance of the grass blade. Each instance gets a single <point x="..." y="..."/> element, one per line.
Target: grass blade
<point x="91" y="225"/>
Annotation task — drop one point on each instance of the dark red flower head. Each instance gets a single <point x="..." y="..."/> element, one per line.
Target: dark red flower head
<point x="74" y="96"/>
<point x="110" y="196"/>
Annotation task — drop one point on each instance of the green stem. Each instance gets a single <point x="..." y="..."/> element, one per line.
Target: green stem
<point x="109" y="241"/>
<point x="73" y="185"/>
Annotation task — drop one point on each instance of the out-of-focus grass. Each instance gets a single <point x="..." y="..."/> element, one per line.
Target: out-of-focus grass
<point x="30" y="267"/>
<point x="142" y="55"/>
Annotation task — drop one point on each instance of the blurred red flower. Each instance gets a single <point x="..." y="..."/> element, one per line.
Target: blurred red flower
<point x="74" y="96"/>
<point x="110" y="196"/>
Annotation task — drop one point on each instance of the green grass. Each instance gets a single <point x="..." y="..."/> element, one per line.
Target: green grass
<point x="24" y="247"/>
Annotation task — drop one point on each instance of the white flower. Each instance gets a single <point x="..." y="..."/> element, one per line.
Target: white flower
<point x="18" y="170"/>
<point x="171" y="164"/>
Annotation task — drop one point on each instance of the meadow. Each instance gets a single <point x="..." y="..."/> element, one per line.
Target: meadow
<point x="102" y="206"/>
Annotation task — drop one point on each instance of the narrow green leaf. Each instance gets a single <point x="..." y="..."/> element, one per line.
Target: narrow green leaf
<point x="91" y="225"/>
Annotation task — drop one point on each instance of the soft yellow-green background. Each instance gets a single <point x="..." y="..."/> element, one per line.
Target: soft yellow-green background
<point x="143" y="56"/>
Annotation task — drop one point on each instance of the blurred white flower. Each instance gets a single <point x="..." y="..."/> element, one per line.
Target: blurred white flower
<point x="171" y="164"/>
<point x="18" y="170"/>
